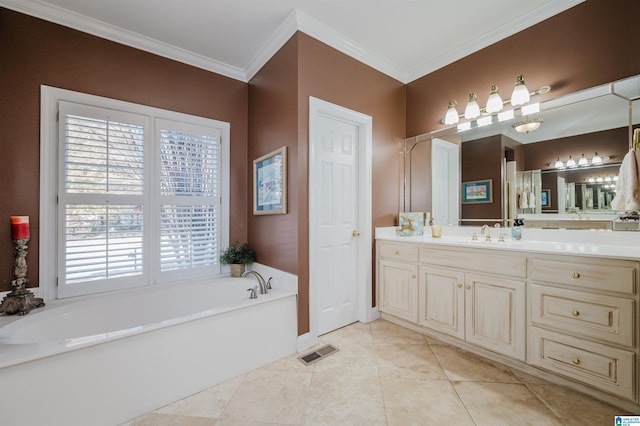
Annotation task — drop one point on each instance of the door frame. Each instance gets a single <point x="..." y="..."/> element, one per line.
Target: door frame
<point x="366" y="313"/>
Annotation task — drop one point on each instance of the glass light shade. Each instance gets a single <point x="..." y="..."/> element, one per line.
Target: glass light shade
<point x="596" y="159"/>
<point x="607" y="179"/>
<point x="583" y="161"/>
<point x="615" y="178"/>
<point x="527" y="126"/>
<point x="599" y="179"/>
<point x="451" y="117"/>
<point x="494" y="103"/>
<point x="571" y="162"/>
<point x="559" y="164"/>
<point x="473" y="109"/>
<point x="592" y="180"/>
<point x="520" y="95"/>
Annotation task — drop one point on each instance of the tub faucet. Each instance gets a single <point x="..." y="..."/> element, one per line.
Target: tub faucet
<point x="263" y="284"/>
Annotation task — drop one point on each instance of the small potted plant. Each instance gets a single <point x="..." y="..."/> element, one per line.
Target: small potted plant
<point x="237" y="256"/>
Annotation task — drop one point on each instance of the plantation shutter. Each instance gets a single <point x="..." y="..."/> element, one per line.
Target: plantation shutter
<point x="189" y="199"/>
<point x="101" y="198"/>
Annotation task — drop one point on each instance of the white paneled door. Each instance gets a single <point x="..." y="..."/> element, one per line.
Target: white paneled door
<point x="335" y="220"/>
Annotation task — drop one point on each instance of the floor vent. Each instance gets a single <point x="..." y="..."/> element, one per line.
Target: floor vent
<point x="317" y="354"/>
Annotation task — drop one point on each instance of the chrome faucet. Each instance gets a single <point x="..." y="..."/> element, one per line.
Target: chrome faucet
<point x="264" y="288"/>
<point x="485" y="228"/>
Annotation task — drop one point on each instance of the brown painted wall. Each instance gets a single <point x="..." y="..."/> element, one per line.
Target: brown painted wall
<point x="36" y="52"/>
<point x="482" y="160"/>
<point x="592" y="43"/>
<point x="305" y="67"/>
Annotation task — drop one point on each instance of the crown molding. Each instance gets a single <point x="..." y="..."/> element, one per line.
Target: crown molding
<point x="101" y="29"/>
<point x="278" y="39"/>
<point x="338" y="41"/>
<point x="296" y="21"/>
<point x="551" y="8"/>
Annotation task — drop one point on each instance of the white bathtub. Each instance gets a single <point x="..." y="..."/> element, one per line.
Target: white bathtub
<point x="107" y="359"/>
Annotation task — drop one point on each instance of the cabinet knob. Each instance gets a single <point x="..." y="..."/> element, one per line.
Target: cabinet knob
<point x="575" y="313"/>
<point x="459" y="285"/>
<point x="575" y="361"/>
<point x="397" y="252"/>
<point x="468" y="286"/>
<point x="576" y="275"/>
<point x="413" y="276"/>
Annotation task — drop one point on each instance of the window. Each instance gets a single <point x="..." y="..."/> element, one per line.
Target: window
<point x="142" y="194"/>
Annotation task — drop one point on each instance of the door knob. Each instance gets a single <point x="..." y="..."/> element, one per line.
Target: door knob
<point x="355" y="234"/>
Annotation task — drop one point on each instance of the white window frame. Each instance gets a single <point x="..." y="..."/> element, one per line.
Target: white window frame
<point x="50" y="175"/>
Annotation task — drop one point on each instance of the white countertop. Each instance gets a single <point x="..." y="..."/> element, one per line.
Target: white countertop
<point x="599" y="243"/>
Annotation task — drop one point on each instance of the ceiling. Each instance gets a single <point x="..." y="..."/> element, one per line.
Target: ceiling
<point x="404" y="39"/>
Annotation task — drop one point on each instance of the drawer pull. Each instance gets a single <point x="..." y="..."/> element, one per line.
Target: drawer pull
<point x="397" y="253"/>
<point x="576" y="275"/>
<point x="459" y="285"/>
<point x="575" y="313"/>
<point x="413" y="276"/>
<point x="575" y="361"/>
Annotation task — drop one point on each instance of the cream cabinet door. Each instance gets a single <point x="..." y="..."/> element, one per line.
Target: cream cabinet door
<point x="399" y="289"/>
<point x="495" y="314"/>
<point x="441" y="300"/>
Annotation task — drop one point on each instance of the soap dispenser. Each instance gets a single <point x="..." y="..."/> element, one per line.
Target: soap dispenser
<point x="516" y="230"/>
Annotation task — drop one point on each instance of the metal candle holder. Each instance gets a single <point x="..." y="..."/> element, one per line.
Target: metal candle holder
<point x="20" y="300"/>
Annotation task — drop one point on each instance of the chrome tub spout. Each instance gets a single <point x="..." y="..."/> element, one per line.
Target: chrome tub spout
<point x="263" y="284"/>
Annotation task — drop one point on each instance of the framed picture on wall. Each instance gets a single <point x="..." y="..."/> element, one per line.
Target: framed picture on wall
<point x="477" y="191"/>
<point x="545" y="198"/>
<point x="270" y="183"/>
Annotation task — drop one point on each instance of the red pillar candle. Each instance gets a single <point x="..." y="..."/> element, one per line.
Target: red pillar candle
<point x="19" y="227"/>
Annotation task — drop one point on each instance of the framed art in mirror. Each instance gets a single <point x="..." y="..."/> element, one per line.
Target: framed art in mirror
<point x="477" y="191"/>
<point x="270" y="183"/>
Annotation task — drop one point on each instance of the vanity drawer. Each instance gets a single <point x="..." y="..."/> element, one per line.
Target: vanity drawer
<point x="601" y="366"/>
<point x="404" y="252"/>
<point x="590" y="273"/>
<point x="476" y="260"/>
<point x="589" y="315"/>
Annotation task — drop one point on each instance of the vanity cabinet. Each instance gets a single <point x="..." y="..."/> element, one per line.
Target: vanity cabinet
<point x="483" y="309"/>
<point x="582" y="322"/>
<point x="570" y="315"/>
<point x="398" y="280"/>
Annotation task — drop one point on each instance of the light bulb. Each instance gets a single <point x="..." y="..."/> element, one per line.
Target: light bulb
<point x="559" y="164"/>
<point x="520" y="95"/>
<point x="494" y="103"/>
<point x="583" y="161"/>
<point x="473" y="109"/>
<point x="596" y="159"/>
<point x="571" y="162"/>
<point x="451" y="117"/>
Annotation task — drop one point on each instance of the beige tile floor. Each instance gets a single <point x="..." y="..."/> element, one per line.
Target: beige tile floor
<point x="384" y="374"/>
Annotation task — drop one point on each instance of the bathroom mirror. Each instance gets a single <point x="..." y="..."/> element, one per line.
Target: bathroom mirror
<point x="599" y="120"/>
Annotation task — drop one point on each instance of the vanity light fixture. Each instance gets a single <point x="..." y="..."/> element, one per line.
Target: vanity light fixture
<point x="582" y="162"/>
<point x="473" y="109"/>
<point x="520" y="98"/>
<point x="596" y="159"/>
<point x="571" y="162"/>
<point x="451" y="117"/>
<point x="527" y="126"/>
<point x="520" y="95"/>
<point x="494" y="102"/>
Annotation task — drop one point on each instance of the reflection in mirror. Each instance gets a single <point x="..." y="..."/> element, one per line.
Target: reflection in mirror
<point x="594" y="122"/>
